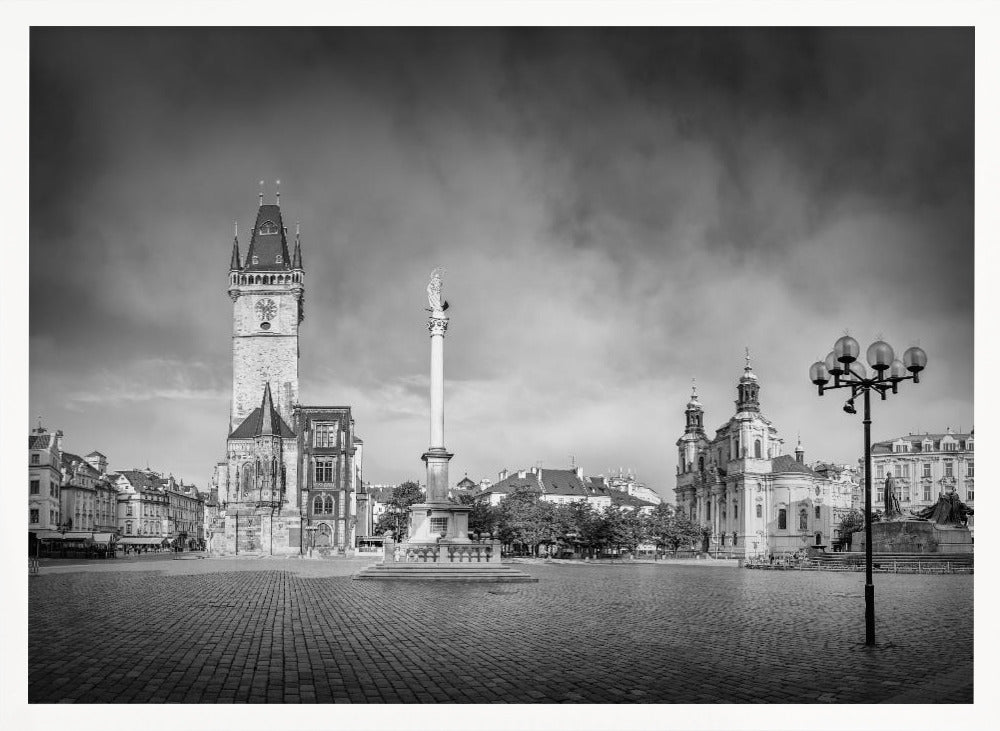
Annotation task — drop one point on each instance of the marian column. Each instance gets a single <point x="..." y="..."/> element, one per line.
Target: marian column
<point x="437" y="519"/>
<point x="436" y="456"/>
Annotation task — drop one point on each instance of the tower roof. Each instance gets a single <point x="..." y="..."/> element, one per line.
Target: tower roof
<point x="748" y="374"/>
<point x="267" y="242"/>
<point x="694" y="403"/>
<point x="297" y="259"/>
<point x="263" y="421"/>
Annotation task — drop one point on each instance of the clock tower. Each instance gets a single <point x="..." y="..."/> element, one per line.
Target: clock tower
<point x="267" y="290"/>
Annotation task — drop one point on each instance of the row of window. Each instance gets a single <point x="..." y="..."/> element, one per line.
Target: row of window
<point x="927" y="494"/>
<point x="902" y="470"/>
<point x="324" y="505"/>
<point x="34" y="514"/>
<point x="782" y="515"/>
<point x="35" y="488"/>
<point x="928" y="446"/>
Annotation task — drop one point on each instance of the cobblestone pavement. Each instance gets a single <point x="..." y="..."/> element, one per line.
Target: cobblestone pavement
<point x="163" y="630"/>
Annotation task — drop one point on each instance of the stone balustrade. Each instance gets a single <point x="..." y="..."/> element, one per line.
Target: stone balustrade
<point x="444" y="552"/>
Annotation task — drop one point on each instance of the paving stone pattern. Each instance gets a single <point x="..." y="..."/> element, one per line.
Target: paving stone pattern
<point x="264" y="631"/>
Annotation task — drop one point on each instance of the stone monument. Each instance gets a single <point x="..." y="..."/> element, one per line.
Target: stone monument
<point x="438" y="545"/>
<point x="939" y="528"/>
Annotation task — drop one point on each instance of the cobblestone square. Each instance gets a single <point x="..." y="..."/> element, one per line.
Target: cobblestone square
<point x="160" y="630"/>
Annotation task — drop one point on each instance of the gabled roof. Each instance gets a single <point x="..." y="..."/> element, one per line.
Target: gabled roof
<point x="141" y="480"/>
<point x="267" y="242"/>
<point x="788" y="463"/>
<point x="263" y="421"/>
<point x="512" y="482"/>
<point x="466" y="484"/>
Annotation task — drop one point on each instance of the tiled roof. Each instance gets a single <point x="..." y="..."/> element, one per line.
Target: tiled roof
<point x="254" y="425"/>
<point x="916" y="441"/>
<point x="623" y="499"/>
<point x="564" y="482"/>
<point x="39" y="441"/>
<point x="465" y="483"/>
<point x="268" y="246"/>
<point x="141" y="480"/>
<point x="788" y="463"/>
<point x="513" y="482"/>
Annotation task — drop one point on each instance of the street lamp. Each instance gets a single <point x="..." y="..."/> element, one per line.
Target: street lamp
<point x="848" y="372"/>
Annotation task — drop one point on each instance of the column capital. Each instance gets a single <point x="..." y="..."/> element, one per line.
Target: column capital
<point x="437" y="324"/>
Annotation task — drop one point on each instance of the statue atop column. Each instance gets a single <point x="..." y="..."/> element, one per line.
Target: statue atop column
<point x="437" y="306"/>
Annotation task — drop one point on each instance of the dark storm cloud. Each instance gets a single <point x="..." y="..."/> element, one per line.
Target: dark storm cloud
<point x="619" y="210"/>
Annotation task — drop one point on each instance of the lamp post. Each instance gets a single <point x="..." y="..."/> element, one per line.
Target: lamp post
<point x="848" y="372"/>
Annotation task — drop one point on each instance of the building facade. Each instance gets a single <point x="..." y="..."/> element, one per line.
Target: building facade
<point x="44" y="479"/>
<point x="749" y="497"/>
<point x="925" y="466"/>
<point x="555" y="486"/>
<point x="280" y="456"/>
<point x="327" y="446"/>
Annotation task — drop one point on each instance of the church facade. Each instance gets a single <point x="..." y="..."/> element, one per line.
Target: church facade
<point x="751" y="499"/>
<point x="277" y="451"/>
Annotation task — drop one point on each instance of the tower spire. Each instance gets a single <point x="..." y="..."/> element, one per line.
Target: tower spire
<point x="234" y="263"/>
<point x="260" y="196"/>
<point x="277" y="194"/>
<point x="267" y="422"/>
<point x="297" y="256"/>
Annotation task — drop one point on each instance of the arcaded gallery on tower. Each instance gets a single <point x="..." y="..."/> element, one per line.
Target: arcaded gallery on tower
<point x="289" y="482"/>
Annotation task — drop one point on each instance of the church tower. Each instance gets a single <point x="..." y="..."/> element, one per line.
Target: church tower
<point x="267" y="290"/>
<point x="260" y="493"/>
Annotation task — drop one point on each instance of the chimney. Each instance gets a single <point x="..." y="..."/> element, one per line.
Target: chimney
<point x="503" y="474"/>
<point x="579" y="472"/>
<point x="521" y="474"/>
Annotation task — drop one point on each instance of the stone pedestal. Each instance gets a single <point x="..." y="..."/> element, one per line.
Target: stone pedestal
<point x="915" y="537"/>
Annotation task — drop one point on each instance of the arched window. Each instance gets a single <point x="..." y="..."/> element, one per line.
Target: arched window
<point x="803" y="519"/>
<point x="247" y="477"/>
<point x="756" y="448"/>
<point x="701" y="464"/>
<point x="708" y="510"/>
<point x="736" y="512"/>
<point x="782" y="519"/>
<point x="328" y="505"/>
<point x="819" y="539"/>
<point x="268" y="228"/>
<point x="759" y="513"/>
<point x="317" y="504"/>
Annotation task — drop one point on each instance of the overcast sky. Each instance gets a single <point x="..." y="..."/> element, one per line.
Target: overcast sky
<point x="618" y="211"/>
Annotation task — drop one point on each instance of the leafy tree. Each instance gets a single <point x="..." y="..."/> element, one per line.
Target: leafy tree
<point x="523" y="518"/>
<point x="851" y="523"/>
<point x="668" y="528"/>
<point x="396" y="518"/>
<point x="481" y="518"/>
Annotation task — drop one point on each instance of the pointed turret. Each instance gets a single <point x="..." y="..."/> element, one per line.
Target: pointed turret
<point x="269" y="420"/>
<point x="800" y="453"/>
<point x="297" y="256"/>
<point x="694" y="412"/>
<point x="234" y="263"/>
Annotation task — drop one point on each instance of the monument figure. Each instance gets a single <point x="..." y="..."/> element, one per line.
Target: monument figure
<point x="948" y="510"/>
<point x="891" y="500"/>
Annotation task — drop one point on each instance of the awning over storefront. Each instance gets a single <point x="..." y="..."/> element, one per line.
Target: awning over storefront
<point x="52" y="535"/>
<point x="143" y="540"/>
<point x="104" y="537"/>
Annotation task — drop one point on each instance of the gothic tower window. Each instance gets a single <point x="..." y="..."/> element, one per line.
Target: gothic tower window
<point x="756" y="448"/>
<point x="268" y="228"/>
<point x="701" y="464"/>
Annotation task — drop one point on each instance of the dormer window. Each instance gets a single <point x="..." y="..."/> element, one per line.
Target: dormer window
<point x="268" y="228"/>
<point x="278" y="259"/>
<point x="254" y="260"/>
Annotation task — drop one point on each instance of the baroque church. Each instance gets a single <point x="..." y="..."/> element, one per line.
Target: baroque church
<point x="288" y="483"/>
<point x="749" y="497"/>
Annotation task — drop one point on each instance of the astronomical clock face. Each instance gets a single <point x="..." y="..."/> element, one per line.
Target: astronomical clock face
<point x="266" y="309"/>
